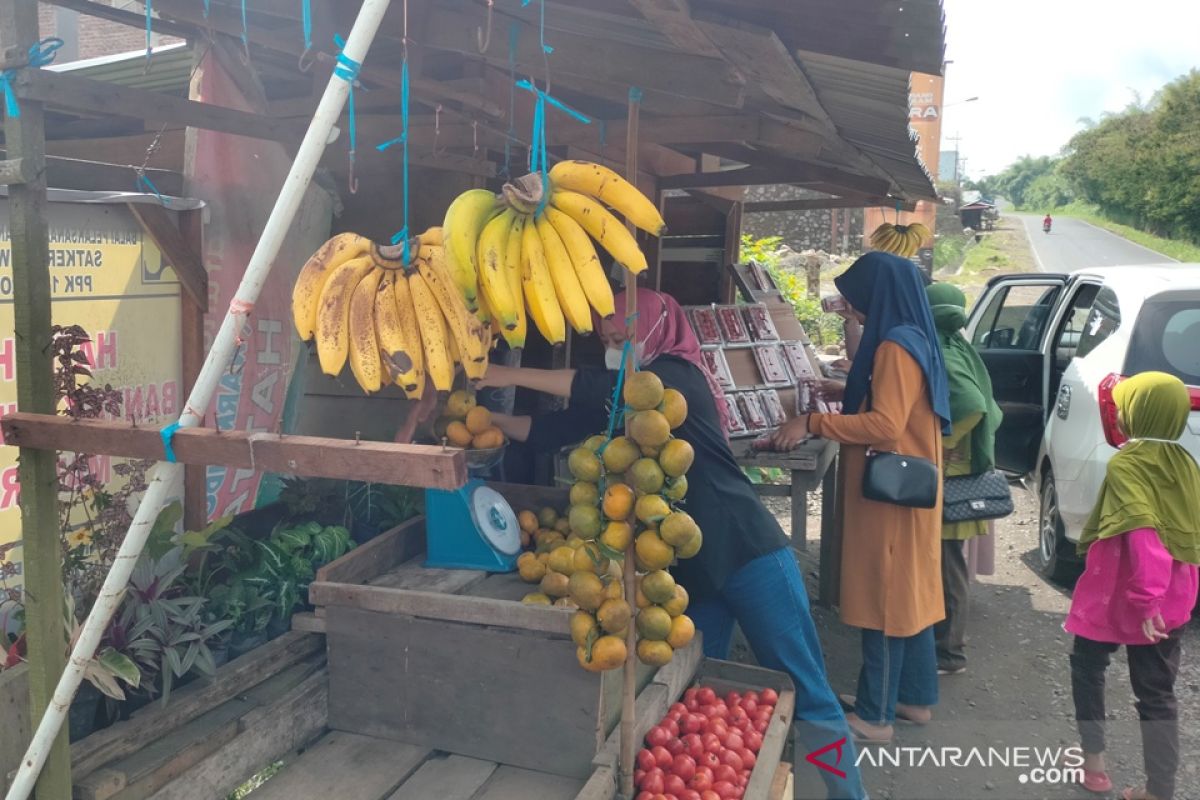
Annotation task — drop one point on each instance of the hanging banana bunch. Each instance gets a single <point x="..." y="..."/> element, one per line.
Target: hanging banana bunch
<point x="497" y="264"/>
<point x="394" y="322"/>
<point x="902" y="240"/>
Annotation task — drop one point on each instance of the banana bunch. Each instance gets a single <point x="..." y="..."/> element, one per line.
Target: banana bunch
<point x="513" y="265"/>
<point x="394" y="322"/>
<point x="903" y="240"/>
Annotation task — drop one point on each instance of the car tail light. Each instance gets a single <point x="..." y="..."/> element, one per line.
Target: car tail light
<point x="1108" y="410"/>
<point x="1195" y="393"/>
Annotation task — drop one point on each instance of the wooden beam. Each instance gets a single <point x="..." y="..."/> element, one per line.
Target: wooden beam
<point x="191" y="360"/>
<point x="14" y="171"/>
<point x="96" y="176"/>
<point x="307" y="456"/>
<point x="808" y="204"/>
<point x="133" y="19"/>
<point x="186" y="262"/>
<point x="759" y="176"/>
<point x="592" y="57"/>
<point x="25" y="138"/>
<point x="674" y="19"/>
<point x="62" y="90"/>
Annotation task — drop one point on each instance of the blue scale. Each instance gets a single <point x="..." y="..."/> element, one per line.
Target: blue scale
<point x="471" y="528"/>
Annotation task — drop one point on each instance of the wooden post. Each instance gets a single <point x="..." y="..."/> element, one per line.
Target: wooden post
<point x="25" y="139"/>
<point x="629" y="573"/>
<point x="191" y="321"/>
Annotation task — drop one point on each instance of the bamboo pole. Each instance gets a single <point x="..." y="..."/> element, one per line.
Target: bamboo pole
<point x="25" y="137"/>
<point x="629" y="690"/>
<point x="223" y="349"/>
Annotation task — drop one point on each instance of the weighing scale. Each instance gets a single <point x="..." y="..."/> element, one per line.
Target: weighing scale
<point x="471" y="528"/>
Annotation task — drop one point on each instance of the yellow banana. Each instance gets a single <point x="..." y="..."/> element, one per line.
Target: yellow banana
<point x="364" y="343"/>
<point x="587" y="264"/>
<point x="432" y="237"/>
<point x="571" y="299"/>
<point x="399" y="335"/>
<point x="333" y="315"/>
<point x="602" y="183"/>
<point x="465" y="327"/>
<point x="306" y="293"/>
<point x="539" y="288"/>
<point x="603" y="227"/>
<point x="512" y="269"/>
<point x="464" y="221"/>
<point x="433" y="333"/>
<point x="493" y="280"/>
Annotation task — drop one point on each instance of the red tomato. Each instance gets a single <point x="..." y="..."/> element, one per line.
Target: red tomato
<point x="725" y="790"/>
<point x="749" y="704"/>
<point x="645" y="796"/>
<point x="678" y="708"/>
<point x="692" y="723"/>
<point x="743" y="725"/>
<point x="738" y="713"/>
<point x="709" y="795"/>
<point x="732" y="697"/>
<point x="744" y="779"/>
<point x="689" y="794"/>
<point x="735" y="741"/>
<point x="675" y="747"/>
<point x="760" y="725"/>
<point x="671" y="715"/>
<point x="658" y="736"/>
<point x="638" y="776"/>
<point x="684" y="766"/>
<point x="748" y="758"/>
<point x="731" y="758"/>
<point x="763" y="712"/>
<point x="706" y="696"/>
<point x="674" y="784"/>
<point x="753" y="741"/>
<point x="662" y="757"/>
<point x="725" y="773"/>
<point x="702" y="780"/>
<point x="653" y="782"/>
<point x="672" y="727"/>
<point x="722" y="709"/>
<point x="690" y="694"/>
<point x="646" y="760"/>
<point x="712" y="743"/>
<point x="693" y="745"/>
<point x="710" y="760"/>
<point x="769" y="696"/>
<point x="752" y="695"/>
<point x="661" y="796"/>
<point x="691" y="704"/>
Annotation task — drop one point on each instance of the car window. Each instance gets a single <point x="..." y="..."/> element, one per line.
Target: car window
<point x="1016" y="318"/>
<point x="1102" y="321"/>
<point x="1074" y="323"/>
<point x="1165" y="337"/>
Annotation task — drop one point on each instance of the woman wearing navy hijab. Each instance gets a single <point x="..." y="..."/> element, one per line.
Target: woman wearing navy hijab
<point x="896" y="400"/>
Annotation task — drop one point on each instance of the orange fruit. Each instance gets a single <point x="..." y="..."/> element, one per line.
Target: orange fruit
<point x="682" y="631"/>
<point x="528" y="521"/>
<point x="676" y="458"/>
<point x="654" y="653"/>
<point x="608" y="652"/>
<point x="643" y="391"/>
<point x="618" y="501"/>
<point x="458" y="434"/>
<point x="459" y="404"/>
<point x="674" y="407"/>
<point x="653" y="551"/>
<point x="479" y="419"/>
<point x="649" y="428"/>
<point x="489" y="439"/>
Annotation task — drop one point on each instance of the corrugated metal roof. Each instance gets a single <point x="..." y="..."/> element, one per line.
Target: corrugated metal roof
<point x="168" y="70"/>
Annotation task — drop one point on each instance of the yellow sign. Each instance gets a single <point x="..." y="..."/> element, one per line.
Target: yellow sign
<point x="109" y="278"/>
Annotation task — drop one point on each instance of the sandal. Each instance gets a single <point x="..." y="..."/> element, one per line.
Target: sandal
<point x="904" y="714"/>
<point x="866" y="737"/>
<point x="1096" y="781"/>
<point x="1128" y="794"/>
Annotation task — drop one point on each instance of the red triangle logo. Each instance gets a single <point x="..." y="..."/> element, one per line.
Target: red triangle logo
<point x="816" y="757"/>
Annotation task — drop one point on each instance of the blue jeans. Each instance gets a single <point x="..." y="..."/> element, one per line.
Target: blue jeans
<point x="895" y="669"/>
<point x="768" y="599"/>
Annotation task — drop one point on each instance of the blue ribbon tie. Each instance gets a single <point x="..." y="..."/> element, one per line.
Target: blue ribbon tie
<point x="538" y="156"/>
<point x="306" y="14"/>
<point x="40" y="54"/>
<point x="167" y="434"/>
<point x="401" y="237"/>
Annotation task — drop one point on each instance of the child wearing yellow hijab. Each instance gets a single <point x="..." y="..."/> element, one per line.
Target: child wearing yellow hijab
<point x="1139" y="586"/>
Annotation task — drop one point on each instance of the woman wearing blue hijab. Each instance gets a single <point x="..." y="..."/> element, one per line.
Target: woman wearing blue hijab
<point x="896" y="400"/>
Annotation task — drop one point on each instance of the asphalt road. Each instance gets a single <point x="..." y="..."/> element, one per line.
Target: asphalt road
<point x="1073" y="244"/>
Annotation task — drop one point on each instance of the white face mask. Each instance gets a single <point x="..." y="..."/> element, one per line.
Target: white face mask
<point x="613" y="357"/>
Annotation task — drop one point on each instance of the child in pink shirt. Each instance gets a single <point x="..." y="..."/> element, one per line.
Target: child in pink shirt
<point x="1140" y="581"/>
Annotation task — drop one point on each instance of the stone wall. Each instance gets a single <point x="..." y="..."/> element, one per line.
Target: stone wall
<point x="801" y="230"/>
<point x="89" y="37"/>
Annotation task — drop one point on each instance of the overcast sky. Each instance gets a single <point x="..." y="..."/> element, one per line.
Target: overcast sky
<point x="1037" y="66"/>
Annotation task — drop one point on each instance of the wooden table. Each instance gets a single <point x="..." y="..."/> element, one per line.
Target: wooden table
<point x="806" y="466"/>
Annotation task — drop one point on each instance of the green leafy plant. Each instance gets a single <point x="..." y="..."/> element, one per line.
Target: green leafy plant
<point x="369" y="508"/>
<point x="821" y="327"/>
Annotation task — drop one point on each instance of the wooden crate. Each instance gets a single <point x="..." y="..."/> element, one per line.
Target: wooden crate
<point x="453" y="661"/>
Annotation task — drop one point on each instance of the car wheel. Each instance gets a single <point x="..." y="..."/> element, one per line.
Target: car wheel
<point x="1055" y="553"/>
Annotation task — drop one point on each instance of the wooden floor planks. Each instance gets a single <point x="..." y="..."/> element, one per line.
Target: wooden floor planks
<point x="345" y="766"/>
<point x="448" y="778"/>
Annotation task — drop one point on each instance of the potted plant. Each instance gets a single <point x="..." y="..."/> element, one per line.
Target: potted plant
<point x="104" y="672"/>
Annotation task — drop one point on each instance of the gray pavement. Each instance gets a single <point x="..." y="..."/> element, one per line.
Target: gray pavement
<point x="1073" y="244"/>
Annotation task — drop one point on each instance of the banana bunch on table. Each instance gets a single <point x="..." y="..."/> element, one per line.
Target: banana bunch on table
<point x="902" y="240"/>
<point x="498" y="263"/>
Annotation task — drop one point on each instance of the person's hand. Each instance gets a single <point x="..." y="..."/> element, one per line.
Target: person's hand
<point x="1154" y="629"/>
<point x="831" y="388"/>
<point x="496" y="376"/>
<point x="790" y="434"/>
<point x="419" y="412"/>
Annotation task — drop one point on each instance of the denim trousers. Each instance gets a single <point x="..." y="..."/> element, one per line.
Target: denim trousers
<point x="767" y="598"/>
<point x="895" y="669"/>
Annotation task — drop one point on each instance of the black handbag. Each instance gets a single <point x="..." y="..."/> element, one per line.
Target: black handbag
<point x="975" y="498"/>
<point x="901" y="480"/>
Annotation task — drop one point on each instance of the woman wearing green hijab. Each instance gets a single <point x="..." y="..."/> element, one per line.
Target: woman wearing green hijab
<point x="1139" y="585"/>
<point x="969" y="449"/>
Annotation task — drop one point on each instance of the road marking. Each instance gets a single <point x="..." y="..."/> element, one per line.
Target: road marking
<point x="1032" y="246"/>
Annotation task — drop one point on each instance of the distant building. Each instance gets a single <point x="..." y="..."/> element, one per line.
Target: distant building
<point x="948" y="166"/>
<point x="89" y="37"/>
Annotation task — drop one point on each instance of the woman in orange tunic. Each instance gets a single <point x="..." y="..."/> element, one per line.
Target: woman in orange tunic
<point x="896" y="400"/>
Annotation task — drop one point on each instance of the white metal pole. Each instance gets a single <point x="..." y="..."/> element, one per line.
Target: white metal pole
<point x="223" y="349"/>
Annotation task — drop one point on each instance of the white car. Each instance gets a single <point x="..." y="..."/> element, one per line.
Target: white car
<point x="1055" y="346"/>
